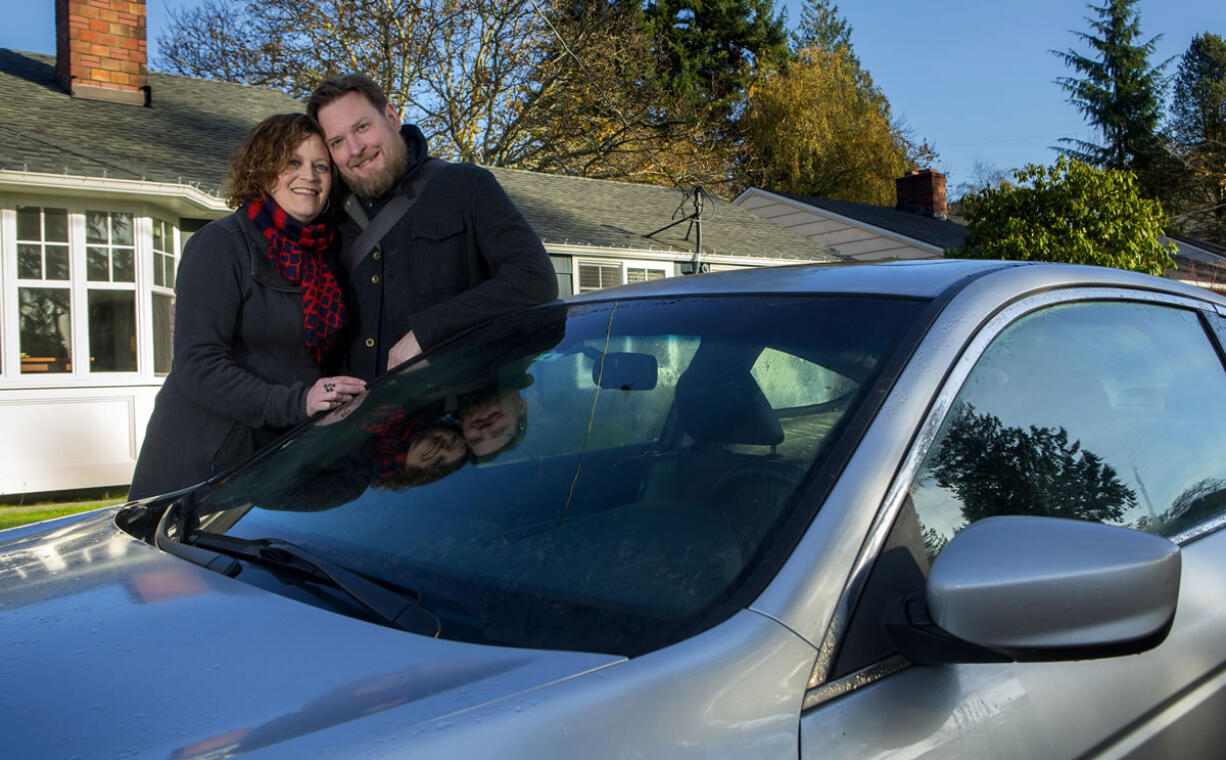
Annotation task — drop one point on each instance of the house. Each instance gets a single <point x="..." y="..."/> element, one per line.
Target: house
<point x="918" y="227"/>
<point x="106" y="169"/>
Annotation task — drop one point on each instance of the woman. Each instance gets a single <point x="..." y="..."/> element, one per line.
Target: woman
<point x="257" y="312"/>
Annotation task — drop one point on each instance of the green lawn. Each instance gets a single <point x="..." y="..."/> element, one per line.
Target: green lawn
<point x="11" y="518"/>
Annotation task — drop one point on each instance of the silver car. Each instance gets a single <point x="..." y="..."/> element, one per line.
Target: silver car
<point x="941" y="510"/>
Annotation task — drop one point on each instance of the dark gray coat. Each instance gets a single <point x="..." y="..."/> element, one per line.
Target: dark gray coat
<point x="461" y="255"/>
<point x="241" y="369"/>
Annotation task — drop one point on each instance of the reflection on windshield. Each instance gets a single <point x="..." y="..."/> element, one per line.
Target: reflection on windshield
<point x="665" y="445"/>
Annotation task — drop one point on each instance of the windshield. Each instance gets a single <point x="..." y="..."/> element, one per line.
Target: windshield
<point x="599" y="477"/>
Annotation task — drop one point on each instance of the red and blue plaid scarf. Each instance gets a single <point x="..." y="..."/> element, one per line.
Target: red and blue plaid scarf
<point x="297" y="249"/>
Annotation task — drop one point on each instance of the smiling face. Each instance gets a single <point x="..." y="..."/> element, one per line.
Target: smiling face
<point x="365" y="143"/>
<point x="302" y="187"/>
<point x="490" y="422"/>
<point x="435" y="448"/>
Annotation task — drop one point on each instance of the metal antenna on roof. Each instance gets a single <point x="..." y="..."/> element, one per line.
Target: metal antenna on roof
<point x="698" y="198"/>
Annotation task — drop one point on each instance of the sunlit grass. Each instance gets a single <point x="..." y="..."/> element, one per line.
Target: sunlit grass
<point x="11" y="518"/>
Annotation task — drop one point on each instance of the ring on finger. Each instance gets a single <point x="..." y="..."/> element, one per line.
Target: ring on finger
<point x="329" y="387"/>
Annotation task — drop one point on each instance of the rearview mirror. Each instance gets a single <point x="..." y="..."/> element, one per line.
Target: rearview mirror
<point x="625" y="371"/>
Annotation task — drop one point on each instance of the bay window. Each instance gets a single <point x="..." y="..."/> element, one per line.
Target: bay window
<point x="92" y="293"/>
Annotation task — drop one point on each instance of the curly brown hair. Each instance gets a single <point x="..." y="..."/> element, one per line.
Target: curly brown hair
<point x="264" y="152"/>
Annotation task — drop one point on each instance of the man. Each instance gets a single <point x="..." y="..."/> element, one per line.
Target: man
<point x="461" y="254"/>
<point x="493" y="420"/>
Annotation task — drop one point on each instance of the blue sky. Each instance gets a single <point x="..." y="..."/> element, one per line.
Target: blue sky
<point x="973" y="77"/>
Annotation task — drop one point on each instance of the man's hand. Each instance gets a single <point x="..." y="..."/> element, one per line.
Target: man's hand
<point x="406" y="348"/>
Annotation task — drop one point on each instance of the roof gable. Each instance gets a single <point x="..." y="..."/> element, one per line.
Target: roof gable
<point x="942" y="233"/>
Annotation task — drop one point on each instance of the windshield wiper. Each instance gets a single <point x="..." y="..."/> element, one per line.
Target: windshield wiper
<point x="403" y="611"/>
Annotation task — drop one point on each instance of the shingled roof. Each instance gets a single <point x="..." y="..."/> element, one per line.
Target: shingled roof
<point x="185" y="136"/>
<point x="187" y="133"/>
<point x="941" y="233"/>
<point x="592" y="212"/>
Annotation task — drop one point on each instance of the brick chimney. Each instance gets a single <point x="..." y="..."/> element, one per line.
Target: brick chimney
<point x="101" y="50"/>
<point x="922" y="192"/>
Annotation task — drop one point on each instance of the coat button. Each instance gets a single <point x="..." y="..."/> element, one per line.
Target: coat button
<point x="377" y="254"/>
<point x="370" y="342"/>
<point x="374" y="278"/>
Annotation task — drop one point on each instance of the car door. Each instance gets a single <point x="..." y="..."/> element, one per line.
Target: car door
<point x="1066" y="406"/>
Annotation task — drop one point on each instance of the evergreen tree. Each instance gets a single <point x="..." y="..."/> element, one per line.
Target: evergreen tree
<point x="707" y="49"/>
<point x="822" y="27"/>
<point x="1198" y="132"/>
<point x="1119" y="94"/>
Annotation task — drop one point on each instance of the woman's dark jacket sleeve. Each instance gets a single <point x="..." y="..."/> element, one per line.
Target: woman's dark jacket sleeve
<point x="210" y="294"/>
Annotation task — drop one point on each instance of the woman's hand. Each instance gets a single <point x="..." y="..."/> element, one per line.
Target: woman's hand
<point x="330" y="392"/>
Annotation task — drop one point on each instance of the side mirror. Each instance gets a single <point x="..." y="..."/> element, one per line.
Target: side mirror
<point x="1041" y="589"/>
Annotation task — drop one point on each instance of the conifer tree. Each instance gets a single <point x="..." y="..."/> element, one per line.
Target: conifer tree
<point x="1198" y="132"/>
<point x="822" y="27"/>
<point x="1118" y="92"/>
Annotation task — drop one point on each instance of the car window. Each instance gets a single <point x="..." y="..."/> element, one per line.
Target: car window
<point x="1092" y="411"/>
<point x="602" y="476"/>
<point x="618" y="419"/>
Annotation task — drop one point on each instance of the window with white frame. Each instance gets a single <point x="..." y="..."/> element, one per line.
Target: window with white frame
<point x="110" y="269"/>
<point x="605" y="274"/>
<point x="44" y="290"/>
<point x="94" y="291"/>
<point x="162" y="295"/>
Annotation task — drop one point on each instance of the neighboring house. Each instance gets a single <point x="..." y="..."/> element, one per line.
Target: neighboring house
<point x="106" y="169"/>
<point x="1199" y="262"/>
<point x="918" y="227"/>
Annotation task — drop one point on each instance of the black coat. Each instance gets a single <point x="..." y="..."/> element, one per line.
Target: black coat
<point x="461" y="255"/>
<point x="241" y="369"/>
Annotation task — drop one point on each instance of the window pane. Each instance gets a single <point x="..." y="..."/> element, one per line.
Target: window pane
<point x="1097" y="412"/>
<point x="57" y="262"/>
<point x="46" y="325"/>
<point x="95" y="227"/>
<point x="56" y="220"/>
<point x="29" y="261"/>
<point x="634" y="274"/>
<point x="159" y="235"/>
<point x="596" y="276"/>
<point x="121" y="229"/>
<point x="170" y="262"/>
<point x="29" y="227"/>
<point x="112" y="331"/>
<point x="97" y="265"/>
<point x="789" y="381"/>
<point x="159" y="267"/>
<point x="125" y="270"/>
<point x="163" y="333"/>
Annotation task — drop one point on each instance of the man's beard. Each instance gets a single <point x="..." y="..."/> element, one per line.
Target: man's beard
<point x="395" y="156"/>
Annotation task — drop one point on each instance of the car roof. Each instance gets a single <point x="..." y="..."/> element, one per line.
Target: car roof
<point x="927" y="279"/>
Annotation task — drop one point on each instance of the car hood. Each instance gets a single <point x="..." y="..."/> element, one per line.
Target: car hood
<point x="112" y="648"/>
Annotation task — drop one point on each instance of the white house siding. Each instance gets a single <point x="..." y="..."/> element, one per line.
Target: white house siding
<point x="848" y="239"/>
<point x="62" y="438"/>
